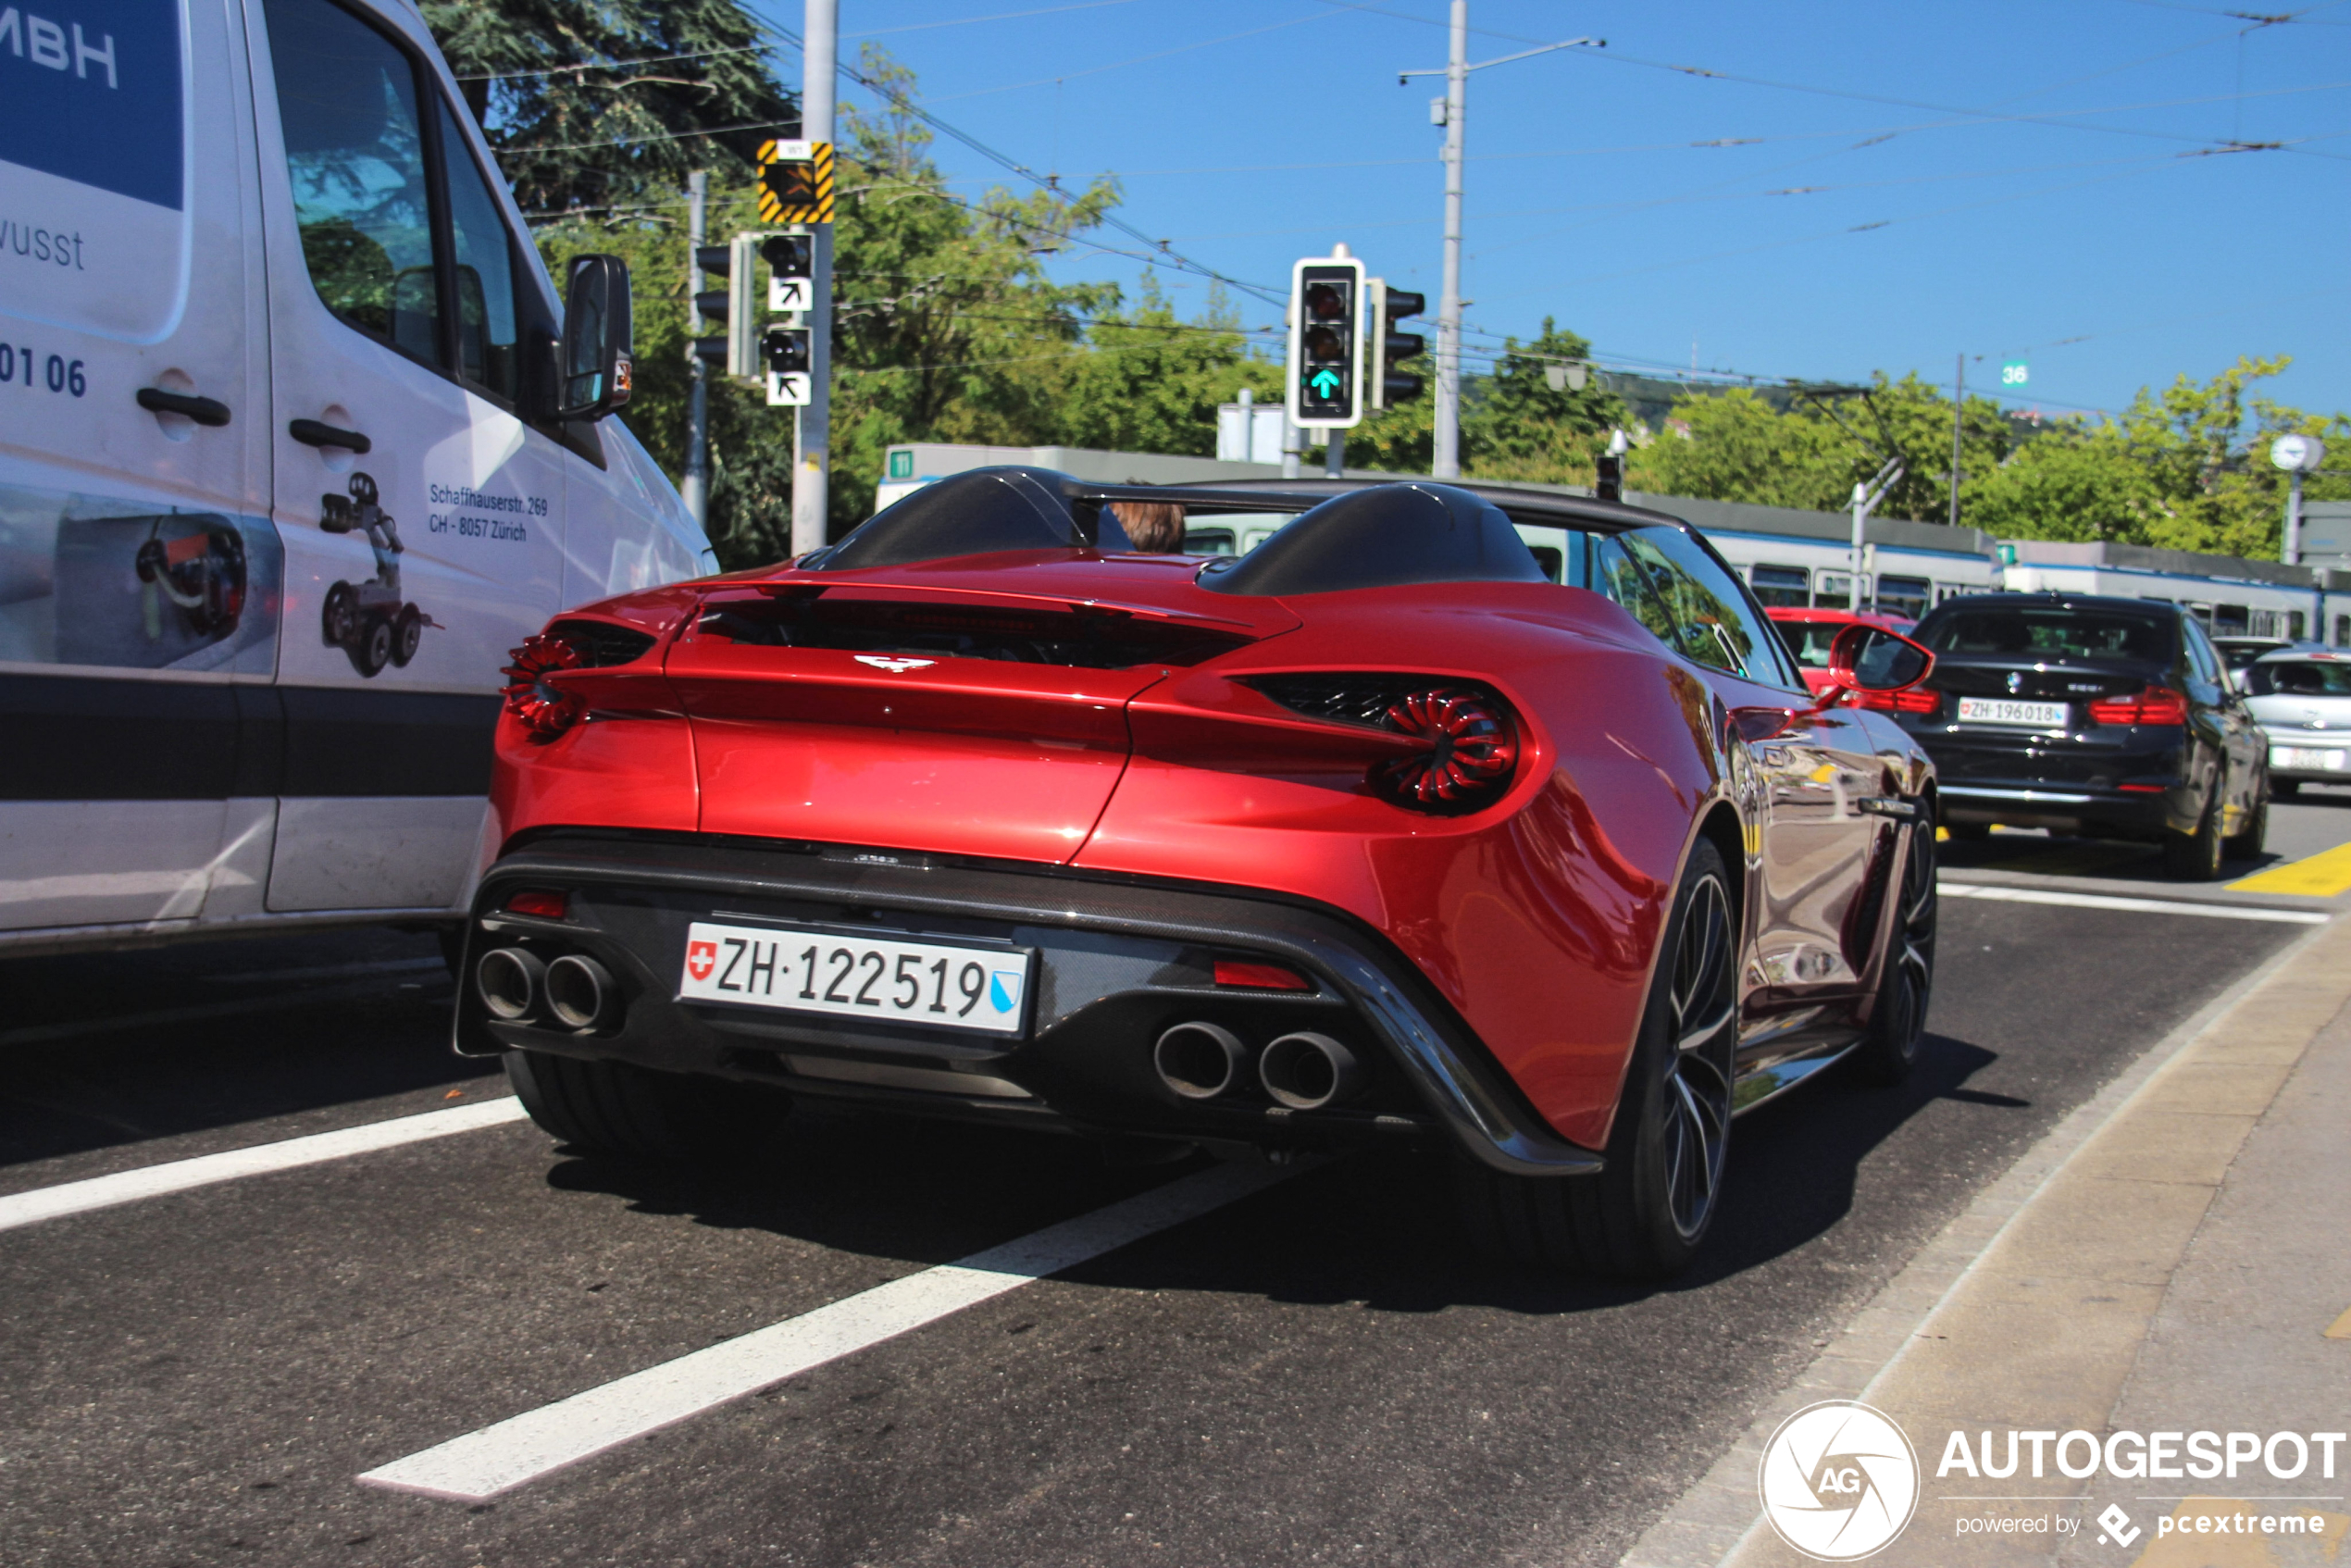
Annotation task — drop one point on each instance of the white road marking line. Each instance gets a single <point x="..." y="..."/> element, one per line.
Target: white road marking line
<point x="2149" y="906"/>
<point x="501" y="1457"/>
<point x="178" y="1176"/>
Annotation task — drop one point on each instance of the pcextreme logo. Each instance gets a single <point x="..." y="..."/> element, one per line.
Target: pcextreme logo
<point x="1839" y="1481"/>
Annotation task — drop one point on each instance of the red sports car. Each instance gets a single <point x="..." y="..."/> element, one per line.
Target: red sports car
<point x="1486" y="820"/>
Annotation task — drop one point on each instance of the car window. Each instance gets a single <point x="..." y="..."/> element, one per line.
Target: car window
<point x="2056" y="631"/>
<point x="1614" y="574"/>
<point x="2298" y="677"/>
<point x="355" y="154"/>
<point x="487" y="338"/>
<point x="1809" y="640"/>
<point x="1713" y="621"/>
<point x="2206" y="658"/>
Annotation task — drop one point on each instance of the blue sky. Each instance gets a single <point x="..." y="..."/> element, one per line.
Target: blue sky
<point x="2039" y="180"/>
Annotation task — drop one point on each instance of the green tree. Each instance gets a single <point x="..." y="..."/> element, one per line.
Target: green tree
<point x="1151" y="382"/>
<point x="1520" y="427"/>
<point x="591" y="106"/>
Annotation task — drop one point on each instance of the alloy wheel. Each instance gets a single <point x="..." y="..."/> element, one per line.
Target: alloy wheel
<point x="1698" y="1085"/>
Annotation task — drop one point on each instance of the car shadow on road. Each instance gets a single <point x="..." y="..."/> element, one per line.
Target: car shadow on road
<point x="1376" y="1229"/>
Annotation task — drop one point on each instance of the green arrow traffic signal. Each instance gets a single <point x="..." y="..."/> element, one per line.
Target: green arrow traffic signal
<point x="1325" y="382"/>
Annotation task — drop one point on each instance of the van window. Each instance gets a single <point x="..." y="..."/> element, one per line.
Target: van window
<point x="486" y="329"/>
<point x="355" y="152"/>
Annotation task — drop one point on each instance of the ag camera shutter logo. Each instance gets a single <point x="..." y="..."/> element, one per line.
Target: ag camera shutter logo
<point x="1839" y="1481"/>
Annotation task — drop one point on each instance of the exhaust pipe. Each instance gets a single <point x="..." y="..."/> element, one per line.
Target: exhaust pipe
<point x="579" y="991"/>
<point x="1198" y="1060"/>
<point x="508" y="979"/>
<point x="1307" y="1072"/>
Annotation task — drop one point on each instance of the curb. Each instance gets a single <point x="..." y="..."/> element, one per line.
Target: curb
<point x="1720" y="1514"/>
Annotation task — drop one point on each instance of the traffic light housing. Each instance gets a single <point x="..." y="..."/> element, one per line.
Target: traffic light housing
<point x="732" y="307"/>
<point x="791" y="269"/>
<point x="784" y="350"/>
<point x="1326" y="343"/>
<point x="1387" y="385"/>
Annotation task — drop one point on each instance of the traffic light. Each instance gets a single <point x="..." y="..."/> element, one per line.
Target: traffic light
<point x="785" y="350"/>
<point x="1326" y="343"/>
<point x="1391" y="348"/>
<point x="792" y="264"/>
<point x="710" y="306"/>
<point x="732" y="307"/>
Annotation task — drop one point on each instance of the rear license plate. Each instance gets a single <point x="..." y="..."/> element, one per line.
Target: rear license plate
<point x="2307" y="759"/>
<point x="800" y="969"/>
<point x="2007" y="710"/>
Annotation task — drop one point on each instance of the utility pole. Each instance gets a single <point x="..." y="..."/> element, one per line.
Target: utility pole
<point x="696" y="489"/>
<point x="1958" y="407"/>
<point x="811" y="462"/>
<point x="1865" y="500"/>
<point x="1446" y="462"/>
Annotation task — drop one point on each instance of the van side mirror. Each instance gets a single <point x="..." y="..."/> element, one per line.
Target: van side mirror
<point x="597" y="369"/>
<point x="1869" y="658"/>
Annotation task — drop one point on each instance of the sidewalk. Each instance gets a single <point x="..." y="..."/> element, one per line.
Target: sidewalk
<point x="2171" y="1259"/>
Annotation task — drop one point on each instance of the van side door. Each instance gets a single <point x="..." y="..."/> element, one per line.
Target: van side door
<point x="139" y="573"/>
<point x="421" y="507"/>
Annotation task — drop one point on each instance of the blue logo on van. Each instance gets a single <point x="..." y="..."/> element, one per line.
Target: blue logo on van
<point x="89" y="91"/>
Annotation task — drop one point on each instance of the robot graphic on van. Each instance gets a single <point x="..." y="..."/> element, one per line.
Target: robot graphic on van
<point x="369" y="620"/>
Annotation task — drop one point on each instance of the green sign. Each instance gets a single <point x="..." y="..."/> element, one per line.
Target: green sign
<point x="901" y="464"/>
<point x="2015" y="373"/>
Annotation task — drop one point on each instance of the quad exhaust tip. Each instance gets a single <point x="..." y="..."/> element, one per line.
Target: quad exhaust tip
<point x="579" y="991"/>
<point x="510" y="981"/>
<point x="1307" y="1072"/>
<point x="1198" y="1060"/>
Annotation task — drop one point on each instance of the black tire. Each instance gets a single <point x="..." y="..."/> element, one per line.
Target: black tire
<point x="1897" y="1025"/>
<point x="337" y="621"/>
<point x="374" y="649"/>
<point x="407" y="632"/>
<point x="2248" y="841"/>
<point x="1647" y="1212"/>
<point x="619" y="1108"/>
<point x="2285" y="788"/>
<point x="2196" y="857"/>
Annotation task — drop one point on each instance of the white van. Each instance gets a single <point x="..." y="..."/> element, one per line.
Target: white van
<point x="282" y="471"/>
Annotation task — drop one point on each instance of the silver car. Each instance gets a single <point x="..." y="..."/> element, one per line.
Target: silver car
<point x="2302" y="698"/>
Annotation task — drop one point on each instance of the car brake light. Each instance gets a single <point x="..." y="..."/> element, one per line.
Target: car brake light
<point x="543" y="710"/>
<point x="1259" y="977"/>
<point x="1470" y="756"/>
<point x="546" y="905"/>
<point x="2157" y="704"/>
<point x="1909" y="700"/>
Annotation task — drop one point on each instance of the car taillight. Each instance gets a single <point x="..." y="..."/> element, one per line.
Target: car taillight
<point x="2157" y="704"/>
<point x="542" y="709"/>
<point x="1259" y="977"/>
<point x="1910" y="700"/>
<point x="546" y="905"/>
<point x="1470" y="757"/>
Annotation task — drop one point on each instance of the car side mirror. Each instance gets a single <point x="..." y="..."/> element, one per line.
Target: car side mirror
<point x="1869" y="658"/>
<point x="597" y="370"/>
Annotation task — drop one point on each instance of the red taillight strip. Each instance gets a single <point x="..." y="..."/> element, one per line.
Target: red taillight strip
<point x="2157" y="704"/>
<point x="1259" y="977"/>
<point x="1909" y="700"/>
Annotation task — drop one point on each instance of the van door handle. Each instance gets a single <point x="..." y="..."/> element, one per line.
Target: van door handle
<point x="310" y="432"/>
<point x="209" y="412"/>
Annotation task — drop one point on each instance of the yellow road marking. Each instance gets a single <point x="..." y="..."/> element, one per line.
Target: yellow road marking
<point x="2320" y="875"/>
<point x="2339" y="1328"/>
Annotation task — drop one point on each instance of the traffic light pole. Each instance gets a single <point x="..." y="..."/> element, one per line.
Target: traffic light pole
<point x="696" y="489"/>
<point x="812" y="475"/>
<point x="1446" y="462"/>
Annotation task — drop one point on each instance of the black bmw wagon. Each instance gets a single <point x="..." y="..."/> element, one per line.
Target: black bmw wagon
<point x="2106" y="717"/>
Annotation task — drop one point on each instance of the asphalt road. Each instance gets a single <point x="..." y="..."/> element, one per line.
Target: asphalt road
<point x="1315" y="1374"/>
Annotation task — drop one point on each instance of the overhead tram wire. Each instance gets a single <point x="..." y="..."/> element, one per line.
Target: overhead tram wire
<point x="908" y="105"/>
